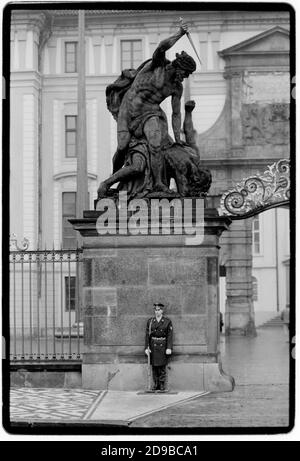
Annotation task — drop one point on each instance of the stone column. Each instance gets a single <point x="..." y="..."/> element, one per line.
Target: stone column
<point x="124" y="275"/>
<point x="239" y="317"/>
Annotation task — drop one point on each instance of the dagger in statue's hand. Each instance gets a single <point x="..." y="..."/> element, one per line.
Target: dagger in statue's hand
<point x="191" y="41"/>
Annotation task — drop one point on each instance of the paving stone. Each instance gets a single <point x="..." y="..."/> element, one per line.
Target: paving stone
<point x="50" y="404"/>
<point x="259" y="365"/>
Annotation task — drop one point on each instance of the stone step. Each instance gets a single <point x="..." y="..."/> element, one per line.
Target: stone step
<point x="274" y="322"/>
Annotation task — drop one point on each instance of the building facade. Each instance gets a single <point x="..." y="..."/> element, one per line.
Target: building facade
<point x="241" y="117"/>
<point x="271" y="264"/>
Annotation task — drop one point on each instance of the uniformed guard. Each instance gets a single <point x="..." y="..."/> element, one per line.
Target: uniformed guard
<point x="158" y="344"/>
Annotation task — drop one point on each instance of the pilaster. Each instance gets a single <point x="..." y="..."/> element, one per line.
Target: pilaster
<point x="239" y="318"/>
<point x="30" y="162"/>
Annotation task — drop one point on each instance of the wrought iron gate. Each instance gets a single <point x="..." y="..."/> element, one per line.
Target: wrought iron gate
<point x="44" y="309"/>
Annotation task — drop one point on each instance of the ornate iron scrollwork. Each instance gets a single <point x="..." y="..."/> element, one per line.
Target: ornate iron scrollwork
<point x="259" y="192"/>
<point x="18" y="246"/>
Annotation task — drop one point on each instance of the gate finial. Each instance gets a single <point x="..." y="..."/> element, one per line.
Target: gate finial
<point x="19" y="246"/>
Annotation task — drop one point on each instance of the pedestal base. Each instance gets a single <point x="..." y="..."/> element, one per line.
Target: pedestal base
<point x="134" y="377"/>
<point x="124" y="275"/>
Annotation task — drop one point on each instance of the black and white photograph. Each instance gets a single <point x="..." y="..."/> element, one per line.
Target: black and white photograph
<point x="148" y="219"/>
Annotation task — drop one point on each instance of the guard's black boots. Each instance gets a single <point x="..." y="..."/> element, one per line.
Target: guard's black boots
<point x="155" y="386"/>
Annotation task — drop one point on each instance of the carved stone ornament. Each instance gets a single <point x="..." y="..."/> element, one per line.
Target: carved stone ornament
<point x="14" y="245"/>
<point x="259" y="192"/>
<point x="265" y="124"/>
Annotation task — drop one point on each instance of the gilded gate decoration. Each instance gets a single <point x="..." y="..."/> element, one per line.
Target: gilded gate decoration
<point x="258" y="192"/>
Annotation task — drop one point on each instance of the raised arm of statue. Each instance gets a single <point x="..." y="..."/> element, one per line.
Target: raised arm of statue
<point x="176" y="114"/>
<point x="158" y="57"/>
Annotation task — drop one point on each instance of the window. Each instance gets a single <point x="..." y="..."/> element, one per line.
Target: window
<point x="69" y="235"/>
<point x="131" y="54"/>
<point x="71" y="136"/>
<point x="254" y="289"/>
<point x="256" y="235"/>
<point x="222" y="271"/>
<point x="70" y="290"/>
<point x="70" y="57"/>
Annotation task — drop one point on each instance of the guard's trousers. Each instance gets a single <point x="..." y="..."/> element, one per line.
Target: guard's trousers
<point x="159" y="376"/>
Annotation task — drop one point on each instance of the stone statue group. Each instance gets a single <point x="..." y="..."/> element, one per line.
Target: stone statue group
<point x="147" y="158"/>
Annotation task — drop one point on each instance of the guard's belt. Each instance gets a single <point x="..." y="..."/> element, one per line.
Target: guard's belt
<point x="160" y="339"/>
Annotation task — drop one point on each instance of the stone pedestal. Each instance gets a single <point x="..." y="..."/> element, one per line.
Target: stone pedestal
<point x="123" y="276"/>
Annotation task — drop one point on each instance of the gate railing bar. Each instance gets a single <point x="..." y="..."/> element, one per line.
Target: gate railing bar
<point x="22" y="304"/>
<point x="69" y="305"/>
<point x="30" y="307"/>
<point x="53" y="304"/>
<point x="14" y="306"/>
<point x="46" y="306"/>
<point x="38" y="293"/>
<point x="61" y="306"/>
<point x="77" y="304"/>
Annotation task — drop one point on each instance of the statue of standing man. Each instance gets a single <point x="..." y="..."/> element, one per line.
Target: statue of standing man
<point x="142" y="125"/>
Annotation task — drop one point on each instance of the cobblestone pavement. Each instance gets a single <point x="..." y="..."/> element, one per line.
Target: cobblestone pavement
<point x="247" y="406"/>
<point x="260" y="360"/>
<point x="260" y="367"/>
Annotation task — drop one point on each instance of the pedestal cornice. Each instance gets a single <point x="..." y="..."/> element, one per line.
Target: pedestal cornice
<point x="214" y="225"/>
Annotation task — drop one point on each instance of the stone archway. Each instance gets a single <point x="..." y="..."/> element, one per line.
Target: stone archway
<point x="251" y="133"/>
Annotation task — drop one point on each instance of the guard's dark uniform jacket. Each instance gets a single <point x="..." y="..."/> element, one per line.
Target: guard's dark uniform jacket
<point x="159" y="337"/>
